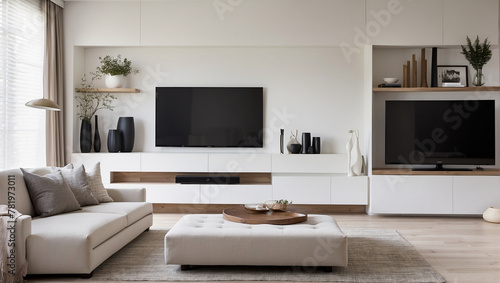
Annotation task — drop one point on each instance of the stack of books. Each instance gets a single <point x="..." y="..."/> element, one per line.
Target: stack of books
<point x="389" y="85"/>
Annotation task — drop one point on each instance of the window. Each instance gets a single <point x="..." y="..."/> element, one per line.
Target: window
<point x="22" y="129"/>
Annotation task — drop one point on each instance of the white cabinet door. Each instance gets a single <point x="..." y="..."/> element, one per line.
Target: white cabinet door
<point x="403" y="22"/>
<point x="114" y="23"/>
<point x="411" y="194"/>
<point x="236" y="194"/>
<point x="471" y="18"/>
<point x="349" y="190"/>
<point x="174" y="162"/>
<point x="474" y="194"/>
<point x="172" y="193"/>
<point x="239" y="162"/>
<point x="302" y="189"/>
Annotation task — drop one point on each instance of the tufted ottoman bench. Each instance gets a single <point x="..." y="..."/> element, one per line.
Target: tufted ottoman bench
<point x="205" y="239"/>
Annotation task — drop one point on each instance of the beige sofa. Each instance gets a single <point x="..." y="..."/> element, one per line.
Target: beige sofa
<point x="73" y="242"/>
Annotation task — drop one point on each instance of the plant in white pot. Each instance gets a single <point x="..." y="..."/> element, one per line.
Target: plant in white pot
<point x="115" y="70"/>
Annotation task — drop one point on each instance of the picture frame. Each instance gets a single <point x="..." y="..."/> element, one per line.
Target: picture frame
<point x="453" y="74"/>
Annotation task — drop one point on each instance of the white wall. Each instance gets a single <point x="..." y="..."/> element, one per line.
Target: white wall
<point x="312" y="89"/>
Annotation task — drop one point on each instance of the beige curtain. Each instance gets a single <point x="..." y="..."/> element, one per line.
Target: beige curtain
<point x="53" y="82"/>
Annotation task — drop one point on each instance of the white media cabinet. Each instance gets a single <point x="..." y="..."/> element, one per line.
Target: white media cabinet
<point x="302" y="178"/>
<point x="401" y="191"/>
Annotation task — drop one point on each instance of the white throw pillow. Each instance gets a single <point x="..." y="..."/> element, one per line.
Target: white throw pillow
<point x="95" y="183"/>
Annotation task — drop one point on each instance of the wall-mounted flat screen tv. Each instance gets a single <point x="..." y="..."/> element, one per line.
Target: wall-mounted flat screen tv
<point x="440" y="132"/>
<point x="209" y="117"/>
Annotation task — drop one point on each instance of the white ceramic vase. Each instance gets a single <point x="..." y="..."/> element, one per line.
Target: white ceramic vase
<point x="492" y="214"/>
<point x="356" y="158"/>
<point x="113" y="81"/>
<point x="348" y="147"/>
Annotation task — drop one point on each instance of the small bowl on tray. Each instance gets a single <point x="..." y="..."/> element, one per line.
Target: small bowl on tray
<point x="256" y="208"/>
<point x="275" y="206"/>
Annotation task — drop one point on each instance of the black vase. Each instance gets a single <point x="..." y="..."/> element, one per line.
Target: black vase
<point x="126" y="131"/>
<point x="113" y="141"/>
<point x="85" y="136"/>
<point x="306" y="142"/>
<point x="97" y="137"/>
<point x="316" y="145"/>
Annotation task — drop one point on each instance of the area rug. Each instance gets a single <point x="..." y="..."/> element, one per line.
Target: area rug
<point x="375" y="255"/>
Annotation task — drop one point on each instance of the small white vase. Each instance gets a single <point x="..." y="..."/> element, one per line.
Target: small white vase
<point x="113" y="81"/>
<point x="356" y="158"/>
<point x="348" y="147"/>
<point x="492" y="214"/>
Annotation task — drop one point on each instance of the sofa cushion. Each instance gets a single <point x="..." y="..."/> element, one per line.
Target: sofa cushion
<point x="134" y="211"/>
<point x="50" y="194"/>
<point x="95" y="184"/>
<point x="73" y="230"/>
<point x="77" y="181"/>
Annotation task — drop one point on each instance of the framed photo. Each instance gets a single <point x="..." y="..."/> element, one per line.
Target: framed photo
<point x="452" y="75"/>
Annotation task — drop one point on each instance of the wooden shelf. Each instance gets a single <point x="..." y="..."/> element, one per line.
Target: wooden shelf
<point x="396" y="171"/>
<point x="108" y="90"/>
<point x="435" y="89"/>
<point x="169" y="177"/>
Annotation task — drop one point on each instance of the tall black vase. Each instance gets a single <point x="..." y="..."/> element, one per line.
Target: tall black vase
<point x="97" y="137"/>
<point x="306" y="142"/>
<point x="113" y="141"/>
<point x="85" y="136"/>
<point x="126" y="131"/>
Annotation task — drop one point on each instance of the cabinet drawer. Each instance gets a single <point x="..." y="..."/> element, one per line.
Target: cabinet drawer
<point x="302" y="189"/>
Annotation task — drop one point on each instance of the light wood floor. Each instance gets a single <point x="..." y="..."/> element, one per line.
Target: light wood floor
<point x="460" y="249"/>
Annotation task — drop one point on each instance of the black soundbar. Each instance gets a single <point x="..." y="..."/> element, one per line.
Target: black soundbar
<point x="211" y="179"/>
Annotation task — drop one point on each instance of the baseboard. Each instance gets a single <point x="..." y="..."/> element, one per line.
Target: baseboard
<point x="218" y="208"/>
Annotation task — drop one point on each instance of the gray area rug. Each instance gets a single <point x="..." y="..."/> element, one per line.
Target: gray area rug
<point x="375" y="255"/>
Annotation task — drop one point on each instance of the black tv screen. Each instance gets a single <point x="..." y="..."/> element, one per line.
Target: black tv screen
<point x="437" y="132"/>
<point x="209" y="116"/>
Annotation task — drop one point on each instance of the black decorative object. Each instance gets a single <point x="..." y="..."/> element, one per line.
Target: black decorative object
<point x="434" y="74"/>
<point x="295" y="148"/>
<point x="114" y="141"/>
<point x="282" y="140"/>
<point x="85" y="136"/>
<point x="310" y="149"/>
<point x="306" y="142"/>
<point x="316" y="145"/>
<point x="97" y="137"/>
<point x="126" y="130"/>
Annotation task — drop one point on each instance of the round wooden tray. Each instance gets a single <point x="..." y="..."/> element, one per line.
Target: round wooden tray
<point x="240" y="215"/>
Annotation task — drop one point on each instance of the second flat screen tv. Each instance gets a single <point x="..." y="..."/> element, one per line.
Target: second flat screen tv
<point x="435" y="132"/>
<point x="209" y="117"/>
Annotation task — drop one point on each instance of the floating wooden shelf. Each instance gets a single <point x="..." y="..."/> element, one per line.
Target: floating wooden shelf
<point x="109" y="90"/>
<point x="434" y="89"/>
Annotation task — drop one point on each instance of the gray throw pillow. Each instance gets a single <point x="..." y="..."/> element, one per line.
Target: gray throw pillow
<point x="95" y="183"/>
<point x="50" y="194"/>
<point x="79" y="185"/>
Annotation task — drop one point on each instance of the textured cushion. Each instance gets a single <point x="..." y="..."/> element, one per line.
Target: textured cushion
<point x="50" y="194"/>
<point x="203" y="239"/>
<point x="77" y="182"/>
<point x="95" y="184"/>
<point x="134" y="211"/>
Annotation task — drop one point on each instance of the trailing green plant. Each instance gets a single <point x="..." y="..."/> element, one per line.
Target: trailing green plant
<point x="116" y="66"/>
<point x="478" y="54"/>
<point x="90" y="102"/>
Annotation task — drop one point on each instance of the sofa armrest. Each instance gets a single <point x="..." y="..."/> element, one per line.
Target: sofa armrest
<point x="23" y="231"/>
<point x="131" y="195"/>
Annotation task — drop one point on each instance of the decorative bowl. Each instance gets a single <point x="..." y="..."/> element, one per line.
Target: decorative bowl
<point x="390" y="80"/>
<point x="492" y="214"/>
<point x="256" y="207"/>
<point x="274" y="206"/>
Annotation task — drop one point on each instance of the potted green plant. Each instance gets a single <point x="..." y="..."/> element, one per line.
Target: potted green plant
<point x="114" y="70"/>
<point x="88" y="104"/>
<point x="478" y="54"/>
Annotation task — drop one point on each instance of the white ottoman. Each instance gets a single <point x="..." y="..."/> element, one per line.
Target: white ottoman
<point x="204" y="239"/>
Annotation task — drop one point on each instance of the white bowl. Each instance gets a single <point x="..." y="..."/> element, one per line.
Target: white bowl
<point x="391" y="80"/>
